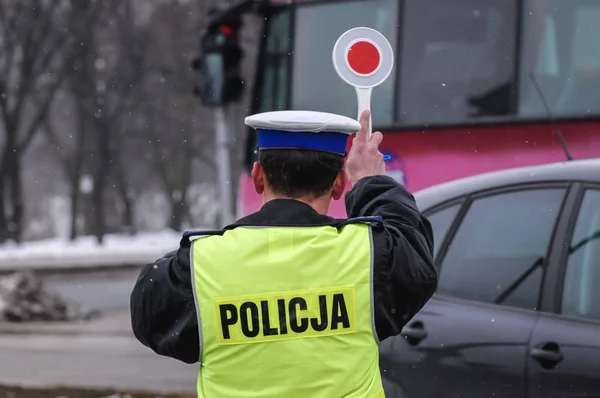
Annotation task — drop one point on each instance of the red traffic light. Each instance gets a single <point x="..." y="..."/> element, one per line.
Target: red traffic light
<point x="226" y="30"/>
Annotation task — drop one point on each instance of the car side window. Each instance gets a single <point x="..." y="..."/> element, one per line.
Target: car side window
<point x="441" y="221"/>
<point x="581" y="295"/>
<point x="498" y="252"/>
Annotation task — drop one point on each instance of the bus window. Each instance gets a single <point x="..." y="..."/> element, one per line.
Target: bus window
<point x="274" y="77"/>
<point x="315" y="84"/>
<point x="458" y="60"/>
<point x="562" y="37"/>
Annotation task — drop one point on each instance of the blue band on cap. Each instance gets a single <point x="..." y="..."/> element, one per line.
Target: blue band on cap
<point x="324" y="141"/>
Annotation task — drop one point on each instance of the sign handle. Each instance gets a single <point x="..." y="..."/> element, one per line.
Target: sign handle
<point x="363" y="94"/>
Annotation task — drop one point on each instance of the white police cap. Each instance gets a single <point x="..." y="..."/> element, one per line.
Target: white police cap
<point x="318" y="131"/>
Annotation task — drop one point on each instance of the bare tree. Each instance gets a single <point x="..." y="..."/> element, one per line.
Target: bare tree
<point x="71" y="160"/>
<point x="125" y="117"/>
<point x="108" y="74"/>
<point x="179" y="130"/>
<point x="134" y="112"/>
<point x="74" y="149"/>
<point x="130" y="70"/>
<point x="35" y="55"/>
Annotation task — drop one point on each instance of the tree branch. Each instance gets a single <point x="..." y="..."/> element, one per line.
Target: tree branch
<point x="42" y="113"/>
<point x="52" y="137"/>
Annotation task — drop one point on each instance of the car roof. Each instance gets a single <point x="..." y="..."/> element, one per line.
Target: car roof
<point x="576" y="170"/>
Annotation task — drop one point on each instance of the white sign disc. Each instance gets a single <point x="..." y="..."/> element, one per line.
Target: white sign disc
<point x="363" y="57"/>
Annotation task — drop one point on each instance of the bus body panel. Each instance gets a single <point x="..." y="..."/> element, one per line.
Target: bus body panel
<point x="421" y="159"/>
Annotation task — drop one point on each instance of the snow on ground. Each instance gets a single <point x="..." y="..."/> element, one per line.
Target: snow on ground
<point x="85" y="251"/>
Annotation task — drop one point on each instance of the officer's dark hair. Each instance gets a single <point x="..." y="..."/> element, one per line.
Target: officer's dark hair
<point x="296" y="173"/>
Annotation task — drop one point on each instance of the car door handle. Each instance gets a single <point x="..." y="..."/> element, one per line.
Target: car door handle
<point x="414" y="333"/>
<point x="548" y="355"/>
<point x="545" y="355"/>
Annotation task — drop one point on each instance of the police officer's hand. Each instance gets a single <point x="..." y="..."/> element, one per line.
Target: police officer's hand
<point x="364" y="159"/>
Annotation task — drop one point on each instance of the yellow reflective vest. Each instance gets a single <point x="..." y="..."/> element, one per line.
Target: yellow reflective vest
<point x="286" y="312"/>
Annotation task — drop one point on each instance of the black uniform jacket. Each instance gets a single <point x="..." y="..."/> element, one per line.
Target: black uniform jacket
<point x="163" y="312"/>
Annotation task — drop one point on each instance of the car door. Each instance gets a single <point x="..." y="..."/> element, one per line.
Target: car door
<point x="471" y="339"/>
<point x="441" y="220"/>
<point x="564" y="351"/>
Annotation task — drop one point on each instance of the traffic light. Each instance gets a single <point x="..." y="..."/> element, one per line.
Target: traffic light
<point x="232" y="59"/>
<point x="220" y="63"/>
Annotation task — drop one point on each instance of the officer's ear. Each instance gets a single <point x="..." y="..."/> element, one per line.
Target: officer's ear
<point x="339" y="185"/>
<point x="258" y="177"/>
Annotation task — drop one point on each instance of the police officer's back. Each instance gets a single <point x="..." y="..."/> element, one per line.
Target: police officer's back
<point x="288" y="302"/>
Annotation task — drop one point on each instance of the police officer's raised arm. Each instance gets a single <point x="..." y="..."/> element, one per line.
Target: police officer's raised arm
<point x="404" y="273"/>
<point x="163" y="313"/>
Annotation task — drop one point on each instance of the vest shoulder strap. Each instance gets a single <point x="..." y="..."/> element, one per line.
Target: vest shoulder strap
<point x="338" y="224"/>
<point x="197" y="233"/>
<point x="360" y="220"/>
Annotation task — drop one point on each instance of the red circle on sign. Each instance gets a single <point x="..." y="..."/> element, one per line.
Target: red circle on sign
<point x="363" y="57"/>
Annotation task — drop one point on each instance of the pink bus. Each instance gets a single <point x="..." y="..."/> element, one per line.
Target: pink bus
<point x="478" y="85"/>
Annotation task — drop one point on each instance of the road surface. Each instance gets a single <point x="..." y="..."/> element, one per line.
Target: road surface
<point x="103" y="291"/>
<point x="102" y="353"/>
<point x="93" y="361"/>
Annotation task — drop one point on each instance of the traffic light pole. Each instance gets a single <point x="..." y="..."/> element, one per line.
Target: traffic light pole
<point x="220" y="69"/>
<point x="223" y="163"/>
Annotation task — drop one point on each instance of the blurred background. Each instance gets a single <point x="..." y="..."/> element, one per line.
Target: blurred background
<point x="106" y="155"/>
<point x="101" y="132"/>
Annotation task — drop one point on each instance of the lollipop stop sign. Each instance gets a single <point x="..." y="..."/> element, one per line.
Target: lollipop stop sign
<point x="363" y="58"/>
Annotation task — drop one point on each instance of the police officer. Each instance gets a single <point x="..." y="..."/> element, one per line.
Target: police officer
<point x="288" y="302"/>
